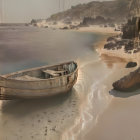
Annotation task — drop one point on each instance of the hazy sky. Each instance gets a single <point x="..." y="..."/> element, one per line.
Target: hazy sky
<point x="25" y="10"/>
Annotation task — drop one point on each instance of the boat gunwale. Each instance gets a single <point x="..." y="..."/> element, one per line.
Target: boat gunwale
<point x="5" y="77"/>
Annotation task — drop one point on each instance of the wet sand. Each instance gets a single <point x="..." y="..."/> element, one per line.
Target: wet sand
<point x="120" y="54"/>
<point x="105" y="115"/>
<point x="120" y="119"/>
<point x="38" y="119"/>
<point x="98" y="99"/>
<point x="53" y="118"/>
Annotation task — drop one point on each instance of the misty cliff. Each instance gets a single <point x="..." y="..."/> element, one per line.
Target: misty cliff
<point x="116" y="10"/>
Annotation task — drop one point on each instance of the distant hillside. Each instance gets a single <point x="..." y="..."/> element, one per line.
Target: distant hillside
<point x="116" y="10"/>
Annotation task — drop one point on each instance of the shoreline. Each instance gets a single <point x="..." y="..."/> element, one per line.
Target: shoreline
<point x="107" y="31"/>
<point x="86" y="117"/>
<point x="120" y="120"/>
<point x="85" y="133"/>
<point x="105" y="123"/>
<point x="78" y="114"/>
<point x="98" y="29"/>
<point x="120" y="54"/>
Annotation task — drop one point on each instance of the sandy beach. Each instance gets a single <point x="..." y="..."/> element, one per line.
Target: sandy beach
<point x="57" y="117"/>
<point x="120" y="118"/>
<point x="99" y="29"/>
<point x="70" y="70"/>
<point x="91" y="28"/>
<point x="116" y="115"/>
<point x="119" y="121"/>
<point x="92" y="120"/>
<point x="120" y="54"/>
<point x="91" y="110"/>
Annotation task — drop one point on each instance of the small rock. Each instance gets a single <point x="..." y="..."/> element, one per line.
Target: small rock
<point x="131" y="64"/>
<point x="54" y="128"/>
<point x="49" y="121"/>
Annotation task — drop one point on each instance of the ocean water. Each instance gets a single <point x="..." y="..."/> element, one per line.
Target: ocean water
<point x="25" y="47"/>
<point x="57" y="117"/>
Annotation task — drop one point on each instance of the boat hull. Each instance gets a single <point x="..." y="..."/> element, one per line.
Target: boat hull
<point x="18" y="89"/>
<point x="29" y="94"/>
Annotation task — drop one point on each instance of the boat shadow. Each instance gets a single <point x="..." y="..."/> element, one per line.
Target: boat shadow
<point x="127" y="94"/>
<point x="21" y="108"/>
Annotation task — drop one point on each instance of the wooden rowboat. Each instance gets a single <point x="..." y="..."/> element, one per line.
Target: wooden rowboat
<point x="39" y="82"/>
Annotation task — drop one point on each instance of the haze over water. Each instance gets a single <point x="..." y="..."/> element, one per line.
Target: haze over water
<point x="26" y="47"/>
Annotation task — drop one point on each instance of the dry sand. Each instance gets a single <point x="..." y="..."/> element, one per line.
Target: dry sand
<point x="99" y="29"/>
<point x="91" y="28"/>
<point x="120" y="54"/>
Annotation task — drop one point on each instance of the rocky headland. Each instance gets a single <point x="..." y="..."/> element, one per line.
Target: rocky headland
<point x="129" y="41"/>
<point x="106" y="13"/>
<point x="114" y="10"/>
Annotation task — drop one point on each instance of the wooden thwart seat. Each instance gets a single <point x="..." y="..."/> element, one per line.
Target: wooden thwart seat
<point x="54" y="73"/>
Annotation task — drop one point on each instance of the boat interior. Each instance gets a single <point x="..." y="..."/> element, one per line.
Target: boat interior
<point x="44" y="72"/>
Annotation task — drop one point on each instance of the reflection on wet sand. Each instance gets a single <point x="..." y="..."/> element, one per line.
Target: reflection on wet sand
<point x="38" y="119"/>
<point x="111" y="60"/>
